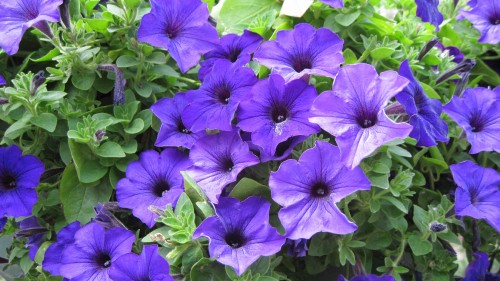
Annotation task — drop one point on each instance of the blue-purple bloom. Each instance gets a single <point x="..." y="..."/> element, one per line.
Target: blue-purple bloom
<point x="173" y="131"/>
<point x="217" y="161"/>
<point x="181" y="27"/>
<point x="354" y="111"/>
<point x="94" y="252"/>
<point x="154" y="179"/>
<point x="478" y="113"/>
<point x="213" y="105"/>
<point x="477" y="193"/>
<point x="428" y="127"/>
<point x="277" y="112"/>
<point x="2" y="81"/>
<point x="53" y="256"/>
<point x="17" y="16"/>
<point x="150" y="265"/>
<point x="240" y="232"/>
<point x="234" y="48"/>
<point x="31" y="229"/>
<point x="428" y="11"/>
<point x="303" y="51"/>
<point x="368" y="277"/>
<point x="283" y="150"/>
<point x="3" y="221"/>
<point x="310" y="188"/>
<point x="458" y="56"/>
<point x="19" y="176"/>
<point x="476" y="270"/>
<point x="333" y="3"/>
<point x="485" y="17"/>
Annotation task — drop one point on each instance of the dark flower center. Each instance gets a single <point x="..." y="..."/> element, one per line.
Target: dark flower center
<point x="476" y="124"/>
<point x="160" y="187"/>
<point x="222" y="93"/>
<point x="7" y="182"/>
<point x="103" y="260"/>
<point x="235" y="239"/>
<point x="181" y="128"/>
<point x="320" y="190"/>
<point x="495" y="21"/>
<point x="366" y="120"/>
<point x="227" y="164"/>
<point x="172" y="30"/>
<point x="279" y="113"/>
<point x="233" y="54"/>
<point x="301" y="62"/>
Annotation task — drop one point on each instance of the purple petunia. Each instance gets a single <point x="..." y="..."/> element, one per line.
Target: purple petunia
<point x="368" y="277"/>
<point x="428" y="11"/>
<point x="277" y="112"/>
<point x="234" y="48"/>
<point x="310" y="188"/>
<point x="301" y="52"/>
<point x="181" y="27"/>
<point x="477" y="112"/>
<point x="333" y="3"/>
<point x="477" y="193"/>
<point x="477" y="269"/>
<point x="2" y="81"/>
<point x="173" y="131"/>
<point x="31" y="229"/>
<point x="3" y="221"/>
<point x="485" y="17"/>
<point x="428" y="127"/>
<point x="240" y="233"/>
<point x="458" y="56"/>
<point x="53" y="256"/>
<point x="150" y="265"/>
<point x="94" y="252"/>
<point x="154" y="179"/>
<point x="213" y="105"/>
<point x="354" y="111"/>
<point x="17" y="16"/>
<point x="19" y="176"/>
<point x="217" y="161"/>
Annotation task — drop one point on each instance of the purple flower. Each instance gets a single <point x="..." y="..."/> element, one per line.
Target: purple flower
<point x="181" y="27"/>
<point x="3" y="221"/>
<point x="458" y="56"/>
<point x="283" y="150"/>
<point x="297" y="248"/>
<point x="31" y="229"/>
<point x="213" y="105"/>
<point x="368" y="277"/>
<point x="17" y="16"/>
<point x="150" y="265"/>
<point x="477" y="112"/>
<point x="485" y="17"/>
<point x="104" y="217"/>
<point x="234" y="48"/>
<point x="477" y="193"/>
<point x="173" y="132"/>
<point x="19" y="176"/>
<point x="94" y="252"/>
<point x="310" y="188"/>
<point x="424" y="112"/>
<point x="154" y="179"/>
<point x="302" y="51"/>
<point x="53" y="256"/>
<point x="277" y="111"/>
<point x="428" y="11"/>
<point x="333" y="3"/>
<point x="2" y="81"/>
<point x="217" y="161"/>
<point x="476" y="270"/>
<point x="354" y="111"/>
<point x="240" y="233"/>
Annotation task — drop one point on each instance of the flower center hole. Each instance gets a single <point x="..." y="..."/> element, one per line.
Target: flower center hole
<point x="104" y="260"/>
<point x="7" y="182"/>
<point x="160" y="187"/>
<point x="279" y="114"/>
<point x="235" y="239"/>
<point x="233" y="54"/>
<point x="227" y="164"/>
<point x="320" y="190"/>
<point x="301" y="62"/>
<point x="223" y="93"/>
<point x="367" y="121"/>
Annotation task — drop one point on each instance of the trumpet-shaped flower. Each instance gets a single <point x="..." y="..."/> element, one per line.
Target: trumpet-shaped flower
<point x="53" y="256"/>
<point x="485" y="17"/>
<point x="428" y="11"/>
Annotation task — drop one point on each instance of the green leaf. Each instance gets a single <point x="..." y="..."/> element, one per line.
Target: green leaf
<point x="347" y="19"/>
<point x="349" y="57"/>
<point x="126" y="61"/>
<point x="110" y="149"/>
<point x="164" y="70"/>
<point x="79" y="199"/>
<point x="99" y="25"/>
<point x="83" y="80"/>
<point x="19" y="127"/>
<point x="396" y="203"/>
<point x="431" y="93"/>
<point x="41" y="252"/>
<point x="87" y="167"/>
<point x="247" y="187"/>
<point x="46" y="121"/>
<point x="237" y="15"/>
<point x="489" y="75"/>
<point x="48" y="56"/>
<point x="132" y="4"/>
<point x="157" y="58"/>
<point x="192" y="189"/>
<point x="135" y="127"/>
<point x="381" y="53"/>
<point x="208" y="270"/>
<point x="418" y="246"/>
<point x="51" y="96"/>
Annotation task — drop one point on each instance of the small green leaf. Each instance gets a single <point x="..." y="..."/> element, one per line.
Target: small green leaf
<point x="349" y="57"/>
<point x="110" y="149"/>
<point x="135" y="127"/>
<point x="431" y="93"/>
<point x="46" y="121"/>
<point x="381" y="53"/>
<point x="347" y="19"/>
<point x="418" y="246"/>
<point x="126" y="61"/>
<point x="247" y="187"/>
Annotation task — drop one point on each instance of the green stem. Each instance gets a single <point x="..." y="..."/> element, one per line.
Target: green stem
<point x="187" y="80"/>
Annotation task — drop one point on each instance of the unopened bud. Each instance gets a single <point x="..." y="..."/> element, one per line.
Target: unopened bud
<point x="437" y="227"/>
<point x="427" y="48"/>
<point x="99" y="135"/>
<point x="119" y="91"/>
<point x="37" y="81"/>
<point x="156" y="210"/>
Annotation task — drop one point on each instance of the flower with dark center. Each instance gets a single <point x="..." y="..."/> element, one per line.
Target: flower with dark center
<point x="150" y="265"/>
<point x="477" y="112"/>
<point x="477" y="193"/>
<point x="301" y="52"/>
<point x="428" y="11"/>
<point x="234" y="48"/>
<point x="53" y="256"/>
<point x="240" y="232"/>
<point x="213" y="105"/>
<point x="485" y="17"/>
<point x="173" y="132"/>
<point x="276" y="112"/>
<point x="17" y="16"/>
<point x="19" y="176"/>
<point x="310" y="188"/>
<point x="217" y="161"/>
<point x="94" y="252"/>
<point x="354" y="111"/>
<point x="154" y="179"/>
<point x="428" y="127"/>
<point x="181" y="27"/>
